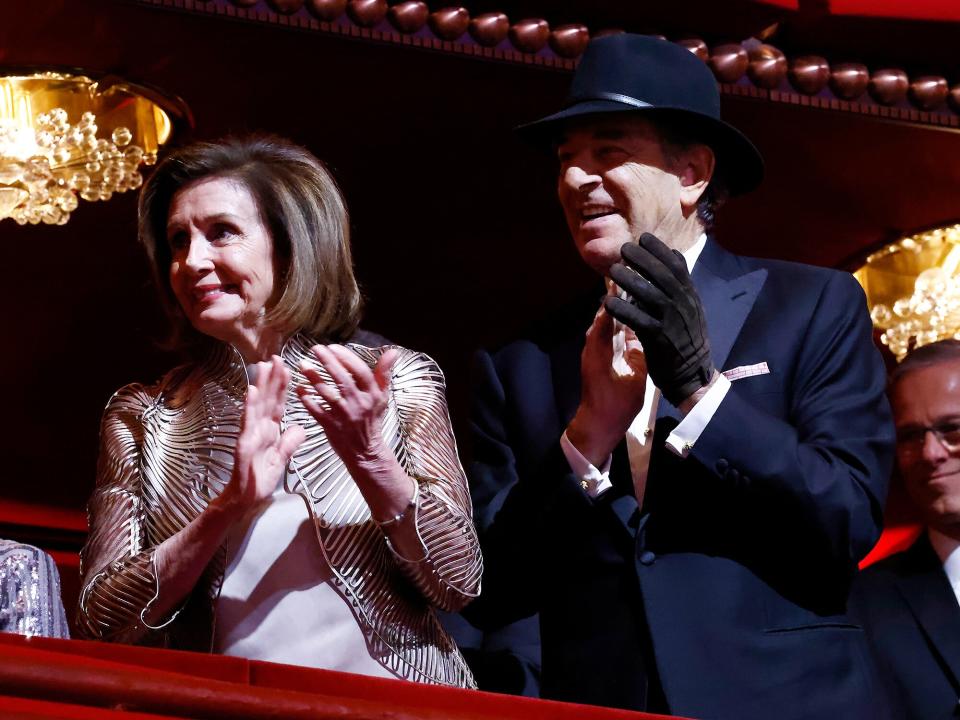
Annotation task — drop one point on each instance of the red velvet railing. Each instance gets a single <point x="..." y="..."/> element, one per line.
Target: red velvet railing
<point x="44" y="678"/>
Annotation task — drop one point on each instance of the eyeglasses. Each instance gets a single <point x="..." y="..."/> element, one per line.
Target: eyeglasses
<point x="911" y="439"/>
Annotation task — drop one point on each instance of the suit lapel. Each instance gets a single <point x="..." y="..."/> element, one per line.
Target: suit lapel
<point x="727" y="295"/>
<point x="930" y="597"/>
<point x="622" y="503"/>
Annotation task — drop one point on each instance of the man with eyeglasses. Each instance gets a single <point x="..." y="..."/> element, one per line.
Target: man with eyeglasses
<point x="909" y="603"/>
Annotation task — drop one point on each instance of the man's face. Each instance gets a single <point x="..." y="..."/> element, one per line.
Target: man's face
<point x="929" y="397"/>
<point x="615" y="183"/>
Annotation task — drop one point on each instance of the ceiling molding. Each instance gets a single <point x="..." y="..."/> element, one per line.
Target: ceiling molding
<point x="749" y="69"/>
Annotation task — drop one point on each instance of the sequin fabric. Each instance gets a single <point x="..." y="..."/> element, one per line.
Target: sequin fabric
<point x="30" y="601"/>
<point x="167" y="450"/>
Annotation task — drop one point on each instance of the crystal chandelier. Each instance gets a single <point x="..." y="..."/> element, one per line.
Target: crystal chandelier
<point x="913" y="289"/>
<point x="64" y="137"/>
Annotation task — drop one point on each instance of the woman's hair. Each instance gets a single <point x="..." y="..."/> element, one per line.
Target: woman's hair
<point x="301" y="207"/>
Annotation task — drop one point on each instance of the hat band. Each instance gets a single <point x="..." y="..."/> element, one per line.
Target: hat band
<point x="615" y="97"/>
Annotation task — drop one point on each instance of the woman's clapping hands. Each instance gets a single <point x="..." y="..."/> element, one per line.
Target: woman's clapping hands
<point x="262" y="450"/>
<point x="349" y="406"/>
<point x="354" y="404"/>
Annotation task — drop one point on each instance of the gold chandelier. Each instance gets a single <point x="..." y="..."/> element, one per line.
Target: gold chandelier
<point x="64" y="137"/>
<point x="913" y="289"/>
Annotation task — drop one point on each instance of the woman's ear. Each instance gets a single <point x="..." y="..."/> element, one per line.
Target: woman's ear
<point x="697" y="164"/>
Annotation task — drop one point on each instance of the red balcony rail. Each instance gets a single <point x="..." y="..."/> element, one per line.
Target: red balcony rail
<point x="45" y="678"/>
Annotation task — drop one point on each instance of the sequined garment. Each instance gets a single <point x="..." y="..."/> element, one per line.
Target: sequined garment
<point x="167" y="450"/>
<point x="30" y="601"/>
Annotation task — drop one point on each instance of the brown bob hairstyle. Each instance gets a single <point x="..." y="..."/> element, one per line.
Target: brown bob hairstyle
<point x="301" y="206"/>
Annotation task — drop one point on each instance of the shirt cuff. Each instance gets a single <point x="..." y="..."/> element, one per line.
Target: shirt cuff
<point x="686" y="434"/>
<point x="593" y="481"/>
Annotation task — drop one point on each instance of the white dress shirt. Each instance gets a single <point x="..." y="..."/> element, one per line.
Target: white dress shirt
<point x="595" y="481"/>
<point x="279" y="601"/>
<point x="948" y="550"/>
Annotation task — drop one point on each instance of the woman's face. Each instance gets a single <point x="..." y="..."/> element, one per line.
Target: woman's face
<point x="222" y="264"/>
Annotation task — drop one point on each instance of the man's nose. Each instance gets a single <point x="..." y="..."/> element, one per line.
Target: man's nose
<point x="581" y="178"/>
<point x="934" y="452"/>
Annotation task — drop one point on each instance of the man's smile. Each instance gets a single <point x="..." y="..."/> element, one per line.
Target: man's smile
<point x="595" y="211"/>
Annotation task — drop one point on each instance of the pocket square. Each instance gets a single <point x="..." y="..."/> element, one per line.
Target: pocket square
<point x="745" y="371"/>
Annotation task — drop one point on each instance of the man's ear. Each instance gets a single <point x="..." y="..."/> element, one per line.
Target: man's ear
<point x="697" y="164"/>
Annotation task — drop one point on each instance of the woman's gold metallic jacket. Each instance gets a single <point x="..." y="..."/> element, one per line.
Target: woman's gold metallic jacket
<point x="167" y="450"/>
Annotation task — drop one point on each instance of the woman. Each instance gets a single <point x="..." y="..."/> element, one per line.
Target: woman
<point x="282" y="497"/>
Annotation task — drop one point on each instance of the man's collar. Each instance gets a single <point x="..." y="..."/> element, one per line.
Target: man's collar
<point x="692" y="253"/>
<point x="948" y="550"/>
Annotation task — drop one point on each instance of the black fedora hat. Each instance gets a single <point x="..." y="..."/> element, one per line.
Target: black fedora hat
<point x="643" y="74"/>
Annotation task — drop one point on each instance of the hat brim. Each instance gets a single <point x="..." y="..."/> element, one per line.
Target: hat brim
<point x="739" y="163"/>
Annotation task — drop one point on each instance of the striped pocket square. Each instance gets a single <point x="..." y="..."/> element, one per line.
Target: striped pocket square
<point x="745" y="371"/>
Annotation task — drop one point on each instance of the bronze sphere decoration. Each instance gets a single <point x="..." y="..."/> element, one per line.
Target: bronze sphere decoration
<point x="367" y="13"/>
<point x="849" y="80"/>
<point x="449" y="23"/>
<point x="889" y="86"/>
<point x="490" y="29"/>
<point x="954" y="97"/>
<point x="530" y="36"/>
<point x="285" y="7"/>
<point x="327" y="10"/>
<point x="766" y="67"/>
<point x="928" y="92"/>
<point x="408" y="17"/>
<point x="809" y="74"/>
<point x="569" y="41"/>
<point x="697" y="46"/>
<point x="729" y="62"/>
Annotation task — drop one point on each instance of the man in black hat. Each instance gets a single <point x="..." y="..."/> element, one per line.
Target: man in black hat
<point x="683" y="495"/>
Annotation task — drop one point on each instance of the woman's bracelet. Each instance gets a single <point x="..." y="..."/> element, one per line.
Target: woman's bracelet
<point x="403" y="513"/>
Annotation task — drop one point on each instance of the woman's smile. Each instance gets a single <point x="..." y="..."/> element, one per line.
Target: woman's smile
<point x="209" y="293"/>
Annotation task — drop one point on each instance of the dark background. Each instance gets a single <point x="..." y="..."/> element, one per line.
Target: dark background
<point x="458" y="238"/>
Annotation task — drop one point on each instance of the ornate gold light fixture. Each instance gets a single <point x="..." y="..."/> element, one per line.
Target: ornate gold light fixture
<point x="68" y="136"/>
<point x="913" y="289"/>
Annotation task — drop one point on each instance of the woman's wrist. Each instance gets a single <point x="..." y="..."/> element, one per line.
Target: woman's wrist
<point x="408" y="510"/>
<point x="227" y="506"/>
<point x="376" y="466"/>
<point x="383" y="481"/>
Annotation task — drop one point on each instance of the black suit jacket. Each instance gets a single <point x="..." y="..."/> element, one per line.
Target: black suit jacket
<point x="912" y="619"/>
<point x="738" y="565"/>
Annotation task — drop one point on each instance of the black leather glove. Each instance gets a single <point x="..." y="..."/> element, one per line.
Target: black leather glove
<point x="666" y="314"/>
